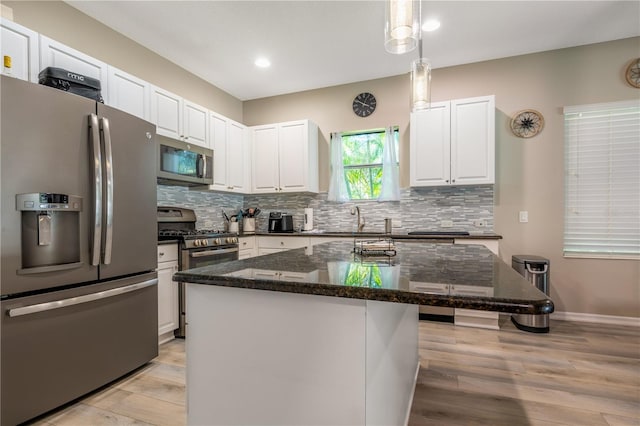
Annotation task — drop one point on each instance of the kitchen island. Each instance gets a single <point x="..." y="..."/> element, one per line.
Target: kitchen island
<point x="326" y="336"/>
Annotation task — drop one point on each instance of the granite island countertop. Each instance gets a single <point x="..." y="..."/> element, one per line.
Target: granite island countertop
<point x="436" y="274"/>
<point x="435" y="235"/>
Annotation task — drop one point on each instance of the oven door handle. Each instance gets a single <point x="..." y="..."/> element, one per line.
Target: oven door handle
<point x="213" y="252"/>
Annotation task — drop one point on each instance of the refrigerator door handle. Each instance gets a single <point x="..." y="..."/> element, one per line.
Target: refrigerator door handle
<point x="47" y="306"/>
<point x="108" y="163"/>
<point x="97" y="192"/>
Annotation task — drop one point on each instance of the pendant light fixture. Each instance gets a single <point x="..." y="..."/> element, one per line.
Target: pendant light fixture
<point x="402" y="25"/>
<point x="420" y="77"/>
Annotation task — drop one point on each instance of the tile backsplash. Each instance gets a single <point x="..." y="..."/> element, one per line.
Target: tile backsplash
<point x="418" y="208"/>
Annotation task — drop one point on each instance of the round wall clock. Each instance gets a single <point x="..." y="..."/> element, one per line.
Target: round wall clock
<point x="633" y="73"/>
<point x="364" y="104"/>
<point x="527" y="123"/>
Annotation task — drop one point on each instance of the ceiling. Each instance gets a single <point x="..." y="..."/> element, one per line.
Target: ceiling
<point x="314" y="44"/>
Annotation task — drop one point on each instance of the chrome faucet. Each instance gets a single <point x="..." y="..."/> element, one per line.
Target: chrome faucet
<point x="356" y="210"/>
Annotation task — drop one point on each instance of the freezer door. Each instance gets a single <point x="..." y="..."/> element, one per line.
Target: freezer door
<point x="58" y="346"/>
<point x="129" y="194"/>
<point x="44" y="145"/>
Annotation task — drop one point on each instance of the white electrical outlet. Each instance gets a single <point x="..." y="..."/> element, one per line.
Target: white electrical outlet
<point x="396" y="223"/>
<point x="479" y="223"/>
<point x="446" y="223"/>
<point x="523" y="216"/>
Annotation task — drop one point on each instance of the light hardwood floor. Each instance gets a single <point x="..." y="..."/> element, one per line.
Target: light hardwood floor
<point x="579" y="374"/>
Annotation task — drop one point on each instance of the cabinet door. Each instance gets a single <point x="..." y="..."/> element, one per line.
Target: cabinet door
<point x="294" y="154"/>
<point x="129" y="93"/>
<point x="167" y="297"/>
<point x="238" y="158"/>
<point x="55" y="54"/>
<point x="22" y="45"/>
<point x="195" y="128"/>
<point x="429" y="146"/>
<point x="218" y="142"/>
<point x="166" y="112"/>
<point x="473" y="140"/>
<point x="265" y="159"/>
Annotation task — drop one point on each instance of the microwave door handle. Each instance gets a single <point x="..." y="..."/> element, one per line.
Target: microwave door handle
<point x="97" y="190"/>
<point x="204" y="166"/>
<point x="200" y="166"/>
<point x="108" y="162"/>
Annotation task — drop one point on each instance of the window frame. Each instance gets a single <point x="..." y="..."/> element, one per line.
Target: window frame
<point x="367" y="166"/>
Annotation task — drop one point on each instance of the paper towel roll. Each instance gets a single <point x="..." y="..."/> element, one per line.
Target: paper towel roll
<point x="308" y="220"/>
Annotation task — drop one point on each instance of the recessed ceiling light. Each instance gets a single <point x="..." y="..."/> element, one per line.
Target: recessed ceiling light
<point x="262" y="63"/>
<point x="431" y="25"/>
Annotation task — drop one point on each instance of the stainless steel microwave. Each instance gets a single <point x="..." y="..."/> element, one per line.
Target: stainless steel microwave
<point x="182" y="163"/>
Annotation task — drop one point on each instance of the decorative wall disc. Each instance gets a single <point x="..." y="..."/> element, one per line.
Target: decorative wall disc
<point x="527" y="123"/>
<point x="633" y="73"/>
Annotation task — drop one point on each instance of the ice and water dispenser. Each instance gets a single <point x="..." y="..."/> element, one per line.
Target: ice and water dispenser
<point x="50" y="233"/>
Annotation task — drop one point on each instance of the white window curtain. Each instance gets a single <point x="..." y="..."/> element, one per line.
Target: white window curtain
<point x="602" y="180"/>
<point x="390" y="188"/>
<point x="337" y="185"/>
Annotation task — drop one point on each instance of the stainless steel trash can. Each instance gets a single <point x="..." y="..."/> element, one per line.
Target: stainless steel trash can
<point x="536" y="270"/>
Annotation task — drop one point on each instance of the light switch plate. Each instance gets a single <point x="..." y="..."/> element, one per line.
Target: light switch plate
<point x="523" y="216"/>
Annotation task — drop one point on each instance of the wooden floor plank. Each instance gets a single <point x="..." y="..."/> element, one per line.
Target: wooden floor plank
<point x="578" y="374"/>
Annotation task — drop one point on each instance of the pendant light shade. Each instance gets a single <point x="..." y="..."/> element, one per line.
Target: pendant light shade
<point x="402" y="25"/>
<point x="420" y="84"/>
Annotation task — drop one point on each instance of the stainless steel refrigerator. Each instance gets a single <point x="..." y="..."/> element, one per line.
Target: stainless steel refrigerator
<point x="78" y="214"/>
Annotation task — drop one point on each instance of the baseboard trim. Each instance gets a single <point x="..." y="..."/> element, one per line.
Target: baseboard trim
<point x="600" y="319"/>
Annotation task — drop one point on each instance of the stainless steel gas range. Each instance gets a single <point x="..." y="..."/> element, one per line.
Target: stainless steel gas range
<point x="197" y="247"/>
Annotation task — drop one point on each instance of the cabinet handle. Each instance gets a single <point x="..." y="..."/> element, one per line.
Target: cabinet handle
<point x="453" y="181"/>
<point x="281" y="243"/>
<point x="447" y="181"/>
<point x="161" y="254"/>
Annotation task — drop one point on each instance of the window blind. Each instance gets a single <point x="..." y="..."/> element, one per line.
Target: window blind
<point x="602" y="180"/>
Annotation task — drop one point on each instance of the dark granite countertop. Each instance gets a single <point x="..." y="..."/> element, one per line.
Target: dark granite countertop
<point x="402" y="236"/>
<point x="460" y="276"/>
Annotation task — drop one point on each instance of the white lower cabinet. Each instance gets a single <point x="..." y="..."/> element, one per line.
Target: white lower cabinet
<point x="167" y="291"/>
<point x="275" y="244"/>
<point x="247" y="247"/>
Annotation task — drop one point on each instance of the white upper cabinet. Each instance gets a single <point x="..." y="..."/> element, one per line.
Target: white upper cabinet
<point x="285" y="157"/>
<point x="429" y="148"/>
<point x="178" y="118"/>
<point x="55" y="54"/>
<point x="265" y="174"/>
<point x="129" y="93"/>
<point x="195" y="129"/>
<point x="473" y="140"/>
<point x="238" y="157"/>
<point x="453" y="143"/>
<point x="166" y="112"/>
<point x="231" y="158"/>
<point x="21" y="44"/>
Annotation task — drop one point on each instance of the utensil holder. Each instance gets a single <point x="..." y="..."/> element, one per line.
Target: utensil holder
<point x="233" y="227"/>
<point x="249" y="225"/>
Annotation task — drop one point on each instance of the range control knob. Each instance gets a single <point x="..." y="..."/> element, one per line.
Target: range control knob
<point x="216" y="241"/>
<point x="196" y="243"/>
<point x="232" y="240"/>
